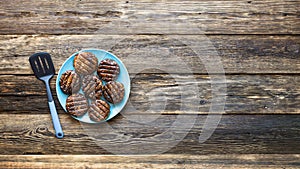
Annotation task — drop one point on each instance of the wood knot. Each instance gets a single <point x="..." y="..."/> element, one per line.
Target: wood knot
<point x="202" y="102"/>
<point x="43" y="130"/>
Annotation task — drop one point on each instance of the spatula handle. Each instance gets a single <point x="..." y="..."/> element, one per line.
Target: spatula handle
<point x="55" y="120"/>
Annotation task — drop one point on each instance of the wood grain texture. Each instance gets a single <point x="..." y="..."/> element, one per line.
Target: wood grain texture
<point x="166" y="161"/>
<point x="257" y="42"/>
<point x="246" y="94"/>
<point x="149" y="17"/>
<point x="238" y="54"/>
<point x="236" y="134"/>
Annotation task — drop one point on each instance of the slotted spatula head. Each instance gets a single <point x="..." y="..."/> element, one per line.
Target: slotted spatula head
<point x="42" y="65"/>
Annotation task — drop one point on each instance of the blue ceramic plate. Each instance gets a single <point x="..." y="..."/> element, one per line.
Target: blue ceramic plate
<point x="123" y="78"/>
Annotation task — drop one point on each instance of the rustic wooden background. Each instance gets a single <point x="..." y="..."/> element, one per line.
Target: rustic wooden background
<point x="259" y="45"/>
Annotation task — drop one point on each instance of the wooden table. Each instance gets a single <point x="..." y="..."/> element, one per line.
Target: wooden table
<point x="258" y="43"/>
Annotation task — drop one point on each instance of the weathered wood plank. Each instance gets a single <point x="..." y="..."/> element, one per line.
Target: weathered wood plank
<point x="276" y="161"/>
<point x="246" y="94"/>
<point x="149" y="16"/>
<point x="238" y="54"/>
<point x="236" y="134"/>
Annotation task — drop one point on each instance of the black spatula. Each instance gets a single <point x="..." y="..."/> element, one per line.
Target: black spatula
<point x="42" y="66"/>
